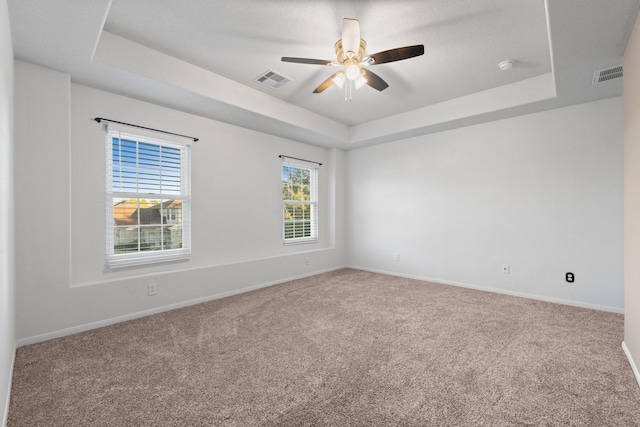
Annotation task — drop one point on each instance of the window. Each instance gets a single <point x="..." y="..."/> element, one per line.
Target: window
<point x="148" y="199"/>
<point x="300" y="201"/>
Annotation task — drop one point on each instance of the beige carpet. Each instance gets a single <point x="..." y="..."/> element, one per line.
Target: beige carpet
<point x="347" y="348"/>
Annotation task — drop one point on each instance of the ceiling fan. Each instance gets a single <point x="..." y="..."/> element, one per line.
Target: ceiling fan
<point x="350" y="52"/>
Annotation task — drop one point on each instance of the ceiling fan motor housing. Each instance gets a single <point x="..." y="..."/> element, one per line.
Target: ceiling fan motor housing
<point x="344" y="56"/>
<point x="350" y="60"/>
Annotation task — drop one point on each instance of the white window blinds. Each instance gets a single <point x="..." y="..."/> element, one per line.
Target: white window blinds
<point x="148" y="198"/>
<point x="299" y="200"/>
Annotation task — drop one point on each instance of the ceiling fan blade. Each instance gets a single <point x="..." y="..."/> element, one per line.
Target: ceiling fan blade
<point x="374" y="80"/>
<point x="326" y="84"/>
<point x="307" y="61"/>
<point x="397" y="54"/>
<point x="350" y="35"/>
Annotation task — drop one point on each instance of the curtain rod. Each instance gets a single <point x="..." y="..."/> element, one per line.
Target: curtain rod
<point x="304" y="160"/>
<point x="101" y="119"/>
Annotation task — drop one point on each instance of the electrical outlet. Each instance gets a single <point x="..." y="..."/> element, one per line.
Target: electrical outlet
<point x="306" y="261"/>
<point x="152" y="288"/>
<point x="570" y="277"/>
<point x="506" y="268"/>
<point x="396" y="256"/>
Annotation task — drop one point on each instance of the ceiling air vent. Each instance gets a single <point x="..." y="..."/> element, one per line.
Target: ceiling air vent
<point x="607" y="74"/>
<point x="272" y="79"/>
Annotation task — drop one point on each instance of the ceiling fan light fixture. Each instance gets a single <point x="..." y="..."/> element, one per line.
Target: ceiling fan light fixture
<point x="360" y="81"/>
<point x="507" y="64"/>
<point x="352" y="72"/>
<point x="339" y="79"/>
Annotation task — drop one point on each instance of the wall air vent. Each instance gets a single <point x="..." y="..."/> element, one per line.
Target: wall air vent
<point x="272" y="79"/>
<point x="607" y="74"/>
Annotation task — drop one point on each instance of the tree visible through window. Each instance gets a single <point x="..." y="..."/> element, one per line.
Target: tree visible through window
<point x="148" y="200"/>
<point x="300" y="202"/>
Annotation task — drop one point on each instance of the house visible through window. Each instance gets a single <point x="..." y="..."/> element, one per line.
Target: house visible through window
<point x="300" y="201"/>
<point x="148" y="199"/>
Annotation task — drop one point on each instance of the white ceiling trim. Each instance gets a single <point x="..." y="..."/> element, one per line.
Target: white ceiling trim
<point x="119" y="52"/>
<point x="69" y="36"/>
<point x="143" y="61"/>
<point x="456" y="112"/>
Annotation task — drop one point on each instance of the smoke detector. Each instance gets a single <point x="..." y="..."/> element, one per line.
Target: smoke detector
<point x="507" y="64"/>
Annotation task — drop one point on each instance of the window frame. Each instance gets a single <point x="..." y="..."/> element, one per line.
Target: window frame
<point x="141" y="257"/>
<point x="313" y="169"/>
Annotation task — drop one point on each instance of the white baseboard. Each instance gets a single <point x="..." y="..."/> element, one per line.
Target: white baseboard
<point x="495" y="290"/>
<point x="106" y="322"/>
<point x="5" y="416"/>
<point x="634" y="368"/>
<point x="111" y="321"/>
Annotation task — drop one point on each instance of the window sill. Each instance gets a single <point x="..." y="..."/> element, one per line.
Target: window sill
<point x="299" y="241"/>
<point x="120" y="262"/>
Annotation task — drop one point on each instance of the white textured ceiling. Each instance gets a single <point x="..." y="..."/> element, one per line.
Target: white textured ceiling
<point x="201" y="56"/>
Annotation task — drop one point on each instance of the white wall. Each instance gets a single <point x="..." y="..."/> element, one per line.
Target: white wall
<point x="7" y="328"/>
<point x="632" y="199"/>
<point x="236" y="210"/>
<point x="542" y="193"/>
